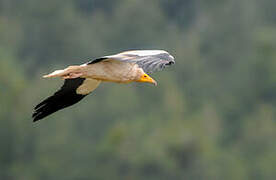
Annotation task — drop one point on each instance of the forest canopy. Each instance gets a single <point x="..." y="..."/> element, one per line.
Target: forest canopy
<point x="212" y="115"/>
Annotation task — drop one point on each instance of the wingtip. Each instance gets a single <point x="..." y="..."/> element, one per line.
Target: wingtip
<point x="34" y="117"/>
<point x="35" y="120"/>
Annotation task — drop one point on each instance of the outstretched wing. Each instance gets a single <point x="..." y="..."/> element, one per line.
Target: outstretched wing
<point x="148" y="60"/>
<point x="72" y="91"/>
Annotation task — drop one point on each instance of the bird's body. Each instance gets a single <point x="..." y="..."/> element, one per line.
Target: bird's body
<point x="125" y="67"/>
<point x="112" y="71"/>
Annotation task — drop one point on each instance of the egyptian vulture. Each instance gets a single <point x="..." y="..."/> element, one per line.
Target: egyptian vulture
<point x="125" y="67"/>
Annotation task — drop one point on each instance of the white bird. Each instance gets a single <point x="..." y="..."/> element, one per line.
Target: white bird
<point x="81" y="80"/>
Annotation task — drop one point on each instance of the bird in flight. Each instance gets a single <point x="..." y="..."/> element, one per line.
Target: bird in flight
<point x="81" y="80"/>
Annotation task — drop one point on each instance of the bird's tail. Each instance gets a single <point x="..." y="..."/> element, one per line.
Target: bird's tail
<point x="71" y="72"/>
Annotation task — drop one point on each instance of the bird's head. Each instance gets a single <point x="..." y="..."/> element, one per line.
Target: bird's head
<point x="143" y="77"/>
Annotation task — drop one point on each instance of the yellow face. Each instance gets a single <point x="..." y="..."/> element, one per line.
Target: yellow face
<point x="147" y="79"/>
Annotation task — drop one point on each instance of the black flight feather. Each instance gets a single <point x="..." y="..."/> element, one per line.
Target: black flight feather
<point x="64" y="97"/>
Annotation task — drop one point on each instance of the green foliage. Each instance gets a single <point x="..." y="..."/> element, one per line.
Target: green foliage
<point x="211" y="116"/>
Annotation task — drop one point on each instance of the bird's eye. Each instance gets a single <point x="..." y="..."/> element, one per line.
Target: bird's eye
<point x="145" y="76"/>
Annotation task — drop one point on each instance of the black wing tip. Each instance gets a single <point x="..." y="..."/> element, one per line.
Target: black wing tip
<point x="36" y="119"/>
<point x="54" y="104"/>
<point x="63" y="98"/>
<point x="36" y="116"/>
<point x="40" y="109"/>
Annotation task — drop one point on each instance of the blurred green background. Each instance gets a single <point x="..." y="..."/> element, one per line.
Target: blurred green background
<point x="212" y="116"/>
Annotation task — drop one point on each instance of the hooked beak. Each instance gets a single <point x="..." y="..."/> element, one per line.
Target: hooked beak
<point x="147" y="79"/>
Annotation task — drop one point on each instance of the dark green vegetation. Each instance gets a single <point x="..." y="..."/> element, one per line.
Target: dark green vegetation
<point x="212" y="116"/>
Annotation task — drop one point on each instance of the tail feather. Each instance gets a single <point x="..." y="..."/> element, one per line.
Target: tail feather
<point x="54" y="74"/>
<point x="70" y="72"/>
